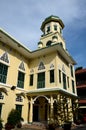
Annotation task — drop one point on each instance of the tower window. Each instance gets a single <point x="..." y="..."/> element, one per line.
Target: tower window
<point x="55" y="27"/>
<point x="60" y="31"/>
<point x="49" y="43"/>
<point x="48" y="29"/>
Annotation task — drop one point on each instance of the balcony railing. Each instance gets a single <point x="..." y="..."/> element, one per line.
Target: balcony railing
<point x="79" y="83"/>
<point x="41" y="84"/>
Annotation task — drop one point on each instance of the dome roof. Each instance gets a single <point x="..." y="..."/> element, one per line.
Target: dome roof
<point x="52" y="18"/>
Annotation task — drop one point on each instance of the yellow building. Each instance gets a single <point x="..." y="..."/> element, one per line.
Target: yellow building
<point x="31" y="81"/>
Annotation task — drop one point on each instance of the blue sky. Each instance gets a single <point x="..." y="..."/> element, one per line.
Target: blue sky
<point x="22" y="19"/>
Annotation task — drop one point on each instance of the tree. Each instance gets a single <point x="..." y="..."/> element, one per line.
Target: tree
<point x="14" y="119"/>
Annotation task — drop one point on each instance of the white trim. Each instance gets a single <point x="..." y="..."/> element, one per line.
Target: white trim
<point x="82" y="107"/>
<point x="5" y="85"/>
<point x="51" y="89"/>
<point x="3" y="62"/>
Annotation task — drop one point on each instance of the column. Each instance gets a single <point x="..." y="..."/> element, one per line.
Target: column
<point x="31" y="111"/>
<point x="51" y="107"/>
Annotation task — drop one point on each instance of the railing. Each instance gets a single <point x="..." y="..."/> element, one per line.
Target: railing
<point x="41" y="84"/>
<point x="78" y="83"/>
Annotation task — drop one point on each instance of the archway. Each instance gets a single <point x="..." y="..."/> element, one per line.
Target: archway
<point x="40" y="108"/>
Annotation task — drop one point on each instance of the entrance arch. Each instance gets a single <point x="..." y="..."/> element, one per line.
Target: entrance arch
<point x="40" y="108"/>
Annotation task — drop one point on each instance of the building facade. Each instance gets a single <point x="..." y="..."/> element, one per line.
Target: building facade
<point x="80" y="75"/>
<point x="31" y="81"/>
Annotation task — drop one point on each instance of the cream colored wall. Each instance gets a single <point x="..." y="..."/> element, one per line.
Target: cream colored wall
<point x="9" y="100"/>
<point x="65" y="68"/>
<point x="34" y="64"/>
<point x="15" y="60"/>
<point x="52" y="33"/>
<point x="58" y="63"/>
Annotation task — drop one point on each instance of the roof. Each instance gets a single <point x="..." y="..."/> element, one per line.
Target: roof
<point x="82" y="101"/>
<point x="52" y="18"/>
<point x="80" y="71"/>
<point x="10" y="41"/>
<point x="82" y="86"/>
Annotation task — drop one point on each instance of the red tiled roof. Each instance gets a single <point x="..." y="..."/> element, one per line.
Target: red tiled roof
<point x="81" y="86"/>
<point x="80" y="71"/>
<point x="82" y="101"/>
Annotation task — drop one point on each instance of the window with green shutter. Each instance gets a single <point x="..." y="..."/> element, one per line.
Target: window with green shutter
<point x="31" y="80"/>
<point x="73" y="88"/>
<point x="19" y="108"/>
<point x="51" y="76"/>
<point x="59" y="76"/>
<point x="41" y="80"/>
<point x="64" y="81"/>
<point x="20" y="83"/>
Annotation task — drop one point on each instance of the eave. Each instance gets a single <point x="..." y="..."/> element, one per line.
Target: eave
<point x="52" y="18"/>
<point x="51" y="90"/>
<point x="13" y="43"/>
<point x="51" y="49"/>
<point x="10" y="41"/>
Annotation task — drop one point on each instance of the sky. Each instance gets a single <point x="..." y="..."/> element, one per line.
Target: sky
<point x="22" y="19"/>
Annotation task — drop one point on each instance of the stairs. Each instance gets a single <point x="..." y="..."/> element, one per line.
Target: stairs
<point x="35" y="126"/>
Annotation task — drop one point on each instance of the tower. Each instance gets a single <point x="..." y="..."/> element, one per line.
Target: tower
<point x="52" y="28"/>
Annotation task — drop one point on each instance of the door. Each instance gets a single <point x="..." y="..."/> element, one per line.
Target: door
<point x="35" y="113"/>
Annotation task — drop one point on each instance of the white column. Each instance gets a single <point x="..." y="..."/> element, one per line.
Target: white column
<point x="31" y="111"/>
<point x="51" y="107"/>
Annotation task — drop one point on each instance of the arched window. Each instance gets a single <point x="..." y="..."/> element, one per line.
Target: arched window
<point x="41" y="66"/>
<point x="21" y="66"/>
<point x="4" y="57"/>
<point x="48" y="43"/>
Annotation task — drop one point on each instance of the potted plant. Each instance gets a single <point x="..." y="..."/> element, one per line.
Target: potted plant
<point x="63" y="113"/>
<point x="14" y="119"/>
<point x="71" y="113"/>
<point x="52" y="124"/>
<point x="67" y="125"/>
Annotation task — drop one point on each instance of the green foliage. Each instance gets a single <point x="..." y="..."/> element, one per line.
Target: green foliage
<point x="14" y="117"/>
<point x="63" y="111"/>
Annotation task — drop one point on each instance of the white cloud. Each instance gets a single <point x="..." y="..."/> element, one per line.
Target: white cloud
<point x="23" y="18"/>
